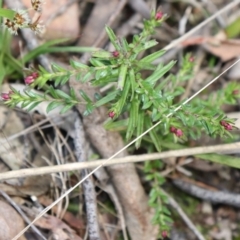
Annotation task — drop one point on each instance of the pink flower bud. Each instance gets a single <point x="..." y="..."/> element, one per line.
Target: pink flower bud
<point x="158" y="16"/>
<point x="172" y="129"/>
<point x="115" y="54"/>
<point x="223" y="123"/>
<point x="226" y="125"/>
<point x="178" y="132"/>
<point x="191" y="59"/>
<point x="164" y="234"/>
<point x="29" y="79"/>
<point x="111" y="114"/>
<point x="5" y="96"/>
<point x="35" y="75"/>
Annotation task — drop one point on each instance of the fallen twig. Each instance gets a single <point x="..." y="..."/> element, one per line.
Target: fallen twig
<point x="232" y="199"/>
<point x="88" y="186"/>
<point x="183" y="215"/>
<point x="23" y="215"/>
<point x="128" y="159"/>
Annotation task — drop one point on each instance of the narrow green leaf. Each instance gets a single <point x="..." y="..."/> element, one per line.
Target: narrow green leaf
<point x="102" y="54"/>
<point x="85" y="97"/>
<point x="122" y="76"/>
<point x="145" y="65"/>
<point x="65" y="79"/>
<point x="134" y="111"/>
<point x="112" y="37"/>
<point x="150" y="44"/>
<point x="152" y="79"/>
<point x="120" y="125"/>
<point x="66" y="108"/>
<point x="133" y="82"/>
<point x="86" y="77"/>
<point x="230" y="161"/>
<point x="123" y="100"/>
<point x="96" y="62"/>
<point x="147" y="105"/>
<point x="140" y="125"/>
<point x="125" y="44"/>
<point x="108" y="98"/>
<point x="77" y="65"/>
<point x="53" y="105"/>
<point x="101" y="74"/>
<point x="73" y="94"/>
<point x="33" y="105"/>
<point x="153" y="134"/>
<point x="150" y="58"/>
<point x="62" y="94"/>
<point x="57" y="81"/>
<point x="56" y="68"/>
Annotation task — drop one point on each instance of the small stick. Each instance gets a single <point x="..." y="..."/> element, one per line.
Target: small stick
<point x="19" y="210"/>
<point x="88" y="186"/>
<point x="128" y="159"/>
<point x="232" y="199"/>
<point x="183" y="215"/>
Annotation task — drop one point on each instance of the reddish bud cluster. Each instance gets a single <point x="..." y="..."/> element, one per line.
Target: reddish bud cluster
<point x="111" y="114"/>
<point x="235" y="92"/>
<point x="226" y="125"/>
<point x="159" y="15"/>
<point x="176" y="131"/>
<point x="31" y="78"/>
<point x="164" y="234"/>
<point x="115" y="54"/>
<point x="6" y="96"/>
<point x="191" y="59"/>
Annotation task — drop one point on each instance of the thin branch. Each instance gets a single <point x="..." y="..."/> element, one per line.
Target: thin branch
<point x="183" y="215"/>
<point x="19" y="210"/>
<point x="107" y="186"/>
<point x="232" y="199"/>
<point x="199" y="26"/>
<point x="88" y="186"/>
<point x="128" y="159"/>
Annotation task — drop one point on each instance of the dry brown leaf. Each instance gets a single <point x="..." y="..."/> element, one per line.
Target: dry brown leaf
<point x="226" y="49"/>
<point x="11" y="152"/>
<point x="68" y="217"/>
<point x="36" y="185"/>
<point x="65" y="25"/>
<point x="10" y="222"/>
<point x="59" y="229"/>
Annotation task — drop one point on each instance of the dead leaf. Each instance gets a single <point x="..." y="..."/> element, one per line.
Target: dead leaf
<point x="36" y="185"/>
<point x="60" y="230"/>
<point x="65" y="25"/>
<point x="10" y="222"/>
<point x="226" y="49"/>
<point x="68" y="217"/>
<point x="11" y="152"/>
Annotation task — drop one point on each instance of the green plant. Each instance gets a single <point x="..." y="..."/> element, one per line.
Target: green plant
<point x="143" y="99"/>
<point x="157" y="199"/>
